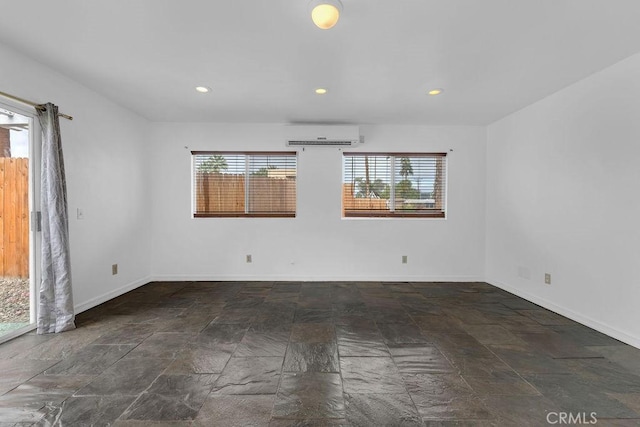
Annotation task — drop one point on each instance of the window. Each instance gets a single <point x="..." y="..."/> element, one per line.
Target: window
<point x="394" y="185"/>
<point x="234" y="184"/>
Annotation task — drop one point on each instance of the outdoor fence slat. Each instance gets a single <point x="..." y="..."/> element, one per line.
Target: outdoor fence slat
<point x="14" y="217"/>
<point x="10" y="219"/>
<point x="23" y="249"/>
<point x="226" y="193"/>
<point x="2" y="214"/>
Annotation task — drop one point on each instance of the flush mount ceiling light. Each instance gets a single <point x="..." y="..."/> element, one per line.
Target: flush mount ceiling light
<point x="321" y="91"/>
<point x="203" y="89"/>
<point x="434" y="92"/>
<point x="325" y="13"/>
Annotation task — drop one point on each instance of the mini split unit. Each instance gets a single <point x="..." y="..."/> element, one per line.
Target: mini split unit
<point x="323" y="136"/>
<point x="321" y="142"/>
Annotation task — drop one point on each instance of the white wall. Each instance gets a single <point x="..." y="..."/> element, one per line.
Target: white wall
<point x="562" y="197"/>
<point x="317" y="244"/>
<point x="104" y="151"/>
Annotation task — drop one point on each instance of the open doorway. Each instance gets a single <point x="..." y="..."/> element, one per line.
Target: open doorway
<point x="17" y="284"/>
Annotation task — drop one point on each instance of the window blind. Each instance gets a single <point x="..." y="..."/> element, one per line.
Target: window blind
<point x="237" y="184"/>
<point x="394" y="185"/>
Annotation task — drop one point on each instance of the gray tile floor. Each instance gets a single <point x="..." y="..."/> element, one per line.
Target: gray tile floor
<point x="319" y="354"/>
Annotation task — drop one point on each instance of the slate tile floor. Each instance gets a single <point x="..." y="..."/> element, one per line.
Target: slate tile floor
<point x="318" y="354"/>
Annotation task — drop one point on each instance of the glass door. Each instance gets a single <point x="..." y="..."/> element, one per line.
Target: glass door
<point x="17" y="240"/>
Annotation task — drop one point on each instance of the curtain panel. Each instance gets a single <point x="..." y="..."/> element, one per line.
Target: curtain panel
<point x="55" y="307"/>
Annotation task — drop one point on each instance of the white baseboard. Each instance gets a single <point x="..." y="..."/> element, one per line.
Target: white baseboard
<point x="93" y="302"/>
<point x="563" y="311"/>
<point x="288" y="278"/>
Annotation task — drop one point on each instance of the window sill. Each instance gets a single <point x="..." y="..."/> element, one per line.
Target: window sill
<point x="403" y="215"/>
<point x="243" y="215"/>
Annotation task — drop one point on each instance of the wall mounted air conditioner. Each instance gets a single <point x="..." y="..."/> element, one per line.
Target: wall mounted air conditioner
<point x="323" y="136"/>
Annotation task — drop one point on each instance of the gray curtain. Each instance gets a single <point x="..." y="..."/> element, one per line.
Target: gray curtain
<point x="55" y="308"/>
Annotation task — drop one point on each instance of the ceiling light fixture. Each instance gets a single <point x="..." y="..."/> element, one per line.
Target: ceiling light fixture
<point x="434" y="92"/>
<point x="321" y="91"/>
<point x="325" y="13"/>
<point x="203" y="89"/>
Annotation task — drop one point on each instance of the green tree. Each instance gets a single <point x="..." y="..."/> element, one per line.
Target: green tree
<point x="263" y="171"/>
<point x="375" y="189"/>
<point x="213" y="164"/>
<point x="405" y="190"/>
<point x="405" y="167"/>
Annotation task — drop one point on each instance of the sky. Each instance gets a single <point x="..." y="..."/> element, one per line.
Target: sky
<point x="19" y="143"/>
<point x="19" y="138"/>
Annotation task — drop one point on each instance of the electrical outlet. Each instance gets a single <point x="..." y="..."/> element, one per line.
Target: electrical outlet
<point x="249" y="259"/>
<point x="114" y="269"/>
<point x="404" y="259"/>
<point x="547" y="278"/>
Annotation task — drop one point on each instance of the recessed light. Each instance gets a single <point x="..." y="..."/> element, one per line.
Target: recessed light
<point x="203" y="89"/>
<point x="434" y="92"/>
<point x="321" y="91"/>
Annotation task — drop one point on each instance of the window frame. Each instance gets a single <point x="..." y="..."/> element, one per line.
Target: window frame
<point x="392" y="212"/>
<point x="33" y="191"/>
<point x="246" y="214"/>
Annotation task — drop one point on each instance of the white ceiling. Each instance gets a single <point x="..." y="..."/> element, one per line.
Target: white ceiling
<point x="264" y="58"/>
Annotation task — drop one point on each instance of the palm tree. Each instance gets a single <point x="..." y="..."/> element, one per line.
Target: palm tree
<point x="405" y="167"/>
<point x="367" y="181"/>
<point x="213" y="164"/>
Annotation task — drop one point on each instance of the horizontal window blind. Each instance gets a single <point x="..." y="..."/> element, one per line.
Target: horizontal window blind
<point x="394" y="185"/>
<point x="236" y="184"/>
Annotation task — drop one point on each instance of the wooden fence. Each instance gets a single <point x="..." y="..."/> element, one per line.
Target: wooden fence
<point x="351" y="203"/>
<point x="14" y="217"/>
<point x="224" y="193"/>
